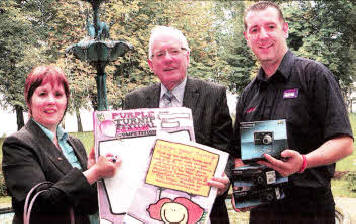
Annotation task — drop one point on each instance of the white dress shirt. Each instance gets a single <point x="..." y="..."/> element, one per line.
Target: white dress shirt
<point x="177" y="95"/>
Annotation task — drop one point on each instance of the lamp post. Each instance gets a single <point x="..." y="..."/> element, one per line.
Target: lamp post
<point x="99" y="50"/>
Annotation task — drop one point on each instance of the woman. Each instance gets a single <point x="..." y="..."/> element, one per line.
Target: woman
<point x="42" y="151"/>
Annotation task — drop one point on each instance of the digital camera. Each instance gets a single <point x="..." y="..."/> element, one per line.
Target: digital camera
<point x="263" y="137"/>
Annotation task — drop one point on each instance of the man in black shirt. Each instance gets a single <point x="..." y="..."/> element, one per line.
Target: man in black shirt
<point x="306" y="94"/>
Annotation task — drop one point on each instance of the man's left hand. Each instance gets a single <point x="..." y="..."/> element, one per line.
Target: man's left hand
<point x="221" y="183"/>
<point x="291" y="163"/>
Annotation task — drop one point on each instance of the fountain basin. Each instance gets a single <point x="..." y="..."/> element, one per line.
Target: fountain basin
<point x="99" y="50"/>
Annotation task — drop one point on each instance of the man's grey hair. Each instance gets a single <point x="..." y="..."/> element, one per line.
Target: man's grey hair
<point x="158" y="30"/>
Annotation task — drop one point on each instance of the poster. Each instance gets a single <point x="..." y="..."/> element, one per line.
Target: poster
<point x="149" y="177"/>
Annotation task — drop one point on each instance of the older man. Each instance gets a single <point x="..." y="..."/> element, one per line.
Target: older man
<point x="169" y="60"/>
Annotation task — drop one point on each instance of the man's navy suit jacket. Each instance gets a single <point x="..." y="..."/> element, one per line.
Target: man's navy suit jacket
<point x="212" y="121"/>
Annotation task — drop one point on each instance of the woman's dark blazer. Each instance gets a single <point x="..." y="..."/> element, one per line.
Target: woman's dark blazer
<point x="29" y="157"/>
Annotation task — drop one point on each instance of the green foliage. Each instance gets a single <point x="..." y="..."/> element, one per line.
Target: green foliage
<point x="236" y="62"/>
<point x="344" y="164"/>
<point x="322" y="31"/>
<point x="341" y="188"/>
<point x="348" y="163"/>
<point x="352" y="117"/>
<point x="65" y="32"/>
<point x="346" y="183"/>
<point x="22" y="33"/>
<point x="351" y="179"/>
<point x="3" y="191"/>
<point x="345" y="186"/>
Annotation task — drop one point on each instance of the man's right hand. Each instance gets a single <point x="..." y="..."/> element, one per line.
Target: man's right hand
<point x="291" y="163"/>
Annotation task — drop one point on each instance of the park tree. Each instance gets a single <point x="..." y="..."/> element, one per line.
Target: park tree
<point x="237" y="63"/>
<point x="22" y="44"/>
<point x="66" y="32"/>
<point x="196" y="19"/>
<point x="324" y="31"/>
<point x="131" y="21"/>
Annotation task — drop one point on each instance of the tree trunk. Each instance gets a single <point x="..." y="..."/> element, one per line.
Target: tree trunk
<point x="79" y="120"/>
<point x="19" y="117"/>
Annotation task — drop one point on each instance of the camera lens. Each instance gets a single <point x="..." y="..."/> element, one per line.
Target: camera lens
<point x="267" y="139"/>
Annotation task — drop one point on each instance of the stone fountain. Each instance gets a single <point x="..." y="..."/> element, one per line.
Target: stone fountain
<point x="99" y="50"/>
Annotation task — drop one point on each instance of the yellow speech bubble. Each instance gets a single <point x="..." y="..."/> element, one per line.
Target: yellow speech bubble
<point x="181" y="167"/>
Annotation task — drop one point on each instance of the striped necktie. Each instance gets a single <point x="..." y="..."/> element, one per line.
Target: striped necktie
<point x="167" y="98"/>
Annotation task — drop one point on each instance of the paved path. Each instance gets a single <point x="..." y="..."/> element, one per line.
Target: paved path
<point x="348" y="206"/>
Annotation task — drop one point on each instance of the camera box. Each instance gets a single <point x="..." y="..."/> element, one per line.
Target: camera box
<point x="256" y="175"/>
<point x="256" y="184"/>
<point x="260" y="137"/>
<point x="251" y="196"/>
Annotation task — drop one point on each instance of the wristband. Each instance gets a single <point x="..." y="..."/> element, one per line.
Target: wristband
<point x="304" y="165"/>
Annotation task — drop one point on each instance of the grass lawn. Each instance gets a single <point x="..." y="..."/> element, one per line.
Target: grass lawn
<point x="340" y="186"/>
<point x="5" y="200"/>
<point x="87" y="138"/>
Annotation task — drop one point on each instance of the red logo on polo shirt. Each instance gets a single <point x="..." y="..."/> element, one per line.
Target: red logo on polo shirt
<point x="251" y="109"/>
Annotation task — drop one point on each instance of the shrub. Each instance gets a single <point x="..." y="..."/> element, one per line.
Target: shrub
<point x="3" y="191"/>
<point x="351" y="179"/>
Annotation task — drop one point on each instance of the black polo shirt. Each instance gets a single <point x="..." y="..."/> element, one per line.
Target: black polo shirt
<point x="306" y="94"/>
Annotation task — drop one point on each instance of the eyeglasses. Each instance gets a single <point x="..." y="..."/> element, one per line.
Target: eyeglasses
<point x="171" y="52"/>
